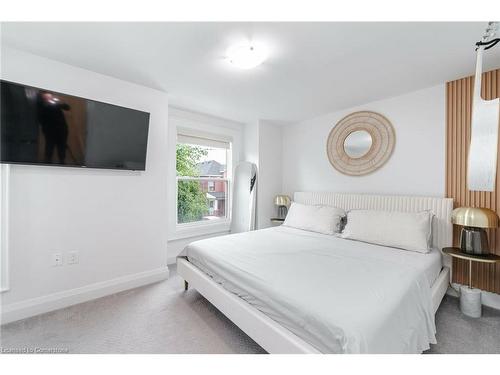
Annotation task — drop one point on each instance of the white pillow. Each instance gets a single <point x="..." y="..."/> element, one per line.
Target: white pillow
<point x="321" y="219"/>
<point x="404" y="230"/>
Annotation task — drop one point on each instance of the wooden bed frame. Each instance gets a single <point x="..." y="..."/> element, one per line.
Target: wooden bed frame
<point x="273" y="337"/>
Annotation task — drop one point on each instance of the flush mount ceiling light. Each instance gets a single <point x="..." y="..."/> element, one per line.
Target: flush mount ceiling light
<point x="246" y="56"/>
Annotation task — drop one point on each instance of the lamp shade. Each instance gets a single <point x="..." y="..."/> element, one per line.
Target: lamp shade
<point x="282" y="200"/>
<point x="474" y="217"/>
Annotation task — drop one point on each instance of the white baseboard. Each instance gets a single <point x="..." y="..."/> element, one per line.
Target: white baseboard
<point x="487" y="298"/>
<point x="59" y="300"/>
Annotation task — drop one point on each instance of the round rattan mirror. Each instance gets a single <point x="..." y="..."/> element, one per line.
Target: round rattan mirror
<point x="360" y="143"/>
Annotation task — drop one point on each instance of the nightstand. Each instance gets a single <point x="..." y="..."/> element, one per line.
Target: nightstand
<point x="275" y="221"/>
<point x="470" y="298"/>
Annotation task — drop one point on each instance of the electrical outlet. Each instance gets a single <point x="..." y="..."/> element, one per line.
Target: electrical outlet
<point x="57" y="259"/>
<point x="73" y="257"/>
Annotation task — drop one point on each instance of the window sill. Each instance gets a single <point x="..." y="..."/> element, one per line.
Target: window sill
<point x="197" y="230"/>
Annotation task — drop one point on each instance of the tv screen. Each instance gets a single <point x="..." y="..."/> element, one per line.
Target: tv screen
<point x="49" y="128"/>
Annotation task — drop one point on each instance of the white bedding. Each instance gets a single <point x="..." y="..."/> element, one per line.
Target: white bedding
<point x="341" y="296"/>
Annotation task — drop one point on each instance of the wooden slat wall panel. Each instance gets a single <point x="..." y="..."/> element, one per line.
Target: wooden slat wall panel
<point x="458" y="119"/>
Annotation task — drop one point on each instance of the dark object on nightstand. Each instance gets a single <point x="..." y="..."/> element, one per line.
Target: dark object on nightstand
<point x="277" y="220"/>
<point x="283" y="202"/>
<point x="474" y="241"/>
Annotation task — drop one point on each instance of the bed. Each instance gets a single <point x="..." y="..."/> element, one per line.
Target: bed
<point x="295" y="291"/>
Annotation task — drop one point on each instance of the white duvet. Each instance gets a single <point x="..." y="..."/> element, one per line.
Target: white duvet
<point x="340" y="296"/>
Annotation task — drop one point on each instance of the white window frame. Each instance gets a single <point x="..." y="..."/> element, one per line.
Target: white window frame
<point x="203" y="224"/>
<point x="204" y="126"/>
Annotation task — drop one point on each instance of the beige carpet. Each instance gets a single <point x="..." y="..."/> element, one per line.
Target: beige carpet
<point x="158" y="318"/>
<point x="161" y="318"/>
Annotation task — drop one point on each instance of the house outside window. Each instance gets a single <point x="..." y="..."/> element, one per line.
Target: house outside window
<point x="203" y="182"/>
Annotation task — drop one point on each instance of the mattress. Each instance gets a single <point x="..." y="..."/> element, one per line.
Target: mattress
<point x="340" y="296"/>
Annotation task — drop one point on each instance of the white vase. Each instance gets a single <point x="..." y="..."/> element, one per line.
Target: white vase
<point x="470" y="301"/>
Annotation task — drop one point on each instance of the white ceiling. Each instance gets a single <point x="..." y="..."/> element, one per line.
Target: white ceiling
<point x="313" y="68"/>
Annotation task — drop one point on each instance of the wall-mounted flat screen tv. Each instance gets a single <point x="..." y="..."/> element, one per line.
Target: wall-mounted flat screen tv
<point x="44" y="127"/>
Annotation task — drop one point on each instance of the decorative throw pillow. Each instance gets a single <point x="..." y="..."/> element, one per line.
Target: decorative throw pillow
<point x="404" y="230"/>
<point x="315" y="218"/>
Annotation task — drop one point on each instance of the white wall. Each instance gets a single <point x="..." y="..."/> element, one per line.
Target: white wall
<point x="4" y="227"/>
<point x="270" y="171"/>
<point x="263" y="147"/>
<point x="251" y="142"/>
<point x="117" y="220"/>
<point x="417" y="165"/>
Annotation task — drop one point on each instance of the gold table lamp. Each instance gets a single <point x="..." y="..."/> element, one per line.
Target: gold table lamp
<point x="473" y="238"/>
<point x="282" y="201"/>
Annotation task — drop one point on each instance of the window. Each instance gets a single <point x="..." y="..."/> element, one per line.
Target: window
<point x="202" y="179"/>
<point x="211" y="185"/>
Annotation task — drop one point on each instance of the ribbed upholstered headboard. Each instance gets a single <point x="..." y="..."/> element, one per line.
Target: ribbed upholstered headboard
<point x="441" y="207"/>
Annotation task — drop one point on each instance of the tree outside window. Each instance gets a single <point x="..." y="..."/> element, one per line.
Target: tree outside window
<point x="201" y="183"/>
